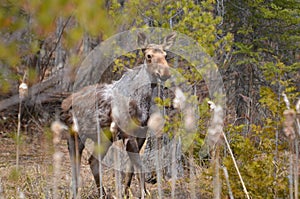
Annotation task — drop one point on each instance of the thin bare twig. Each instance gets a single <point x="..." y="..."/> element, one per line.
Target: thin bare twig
<point x="216" y="177"/>
<point x="18" y="134"/>
<point x="236" y="166"/>
<point x="98" y="145"/>
<point x="227" y="182"/>
<point x="57" y="156"/>
<point x="23" y="93"/>
<point x="290" y="117"/>
<point x="55" y="46"/>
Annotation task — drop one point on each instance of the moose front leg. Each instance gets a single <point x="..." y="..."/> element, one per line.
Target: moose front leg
<point x="132" y="149"/>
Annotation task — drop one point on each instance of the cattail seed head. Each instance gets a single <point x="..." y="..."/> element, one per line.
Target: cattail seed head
<point x="156" y="123"/>
<point x="113" y="127"/>
<point x="189" y="119"/>
<point x="288" y="123"/>
<point x="215" y="131"/>
<point x="179" y="100"/>
<point x="57" y="157"/>
<point x="212" y="105"/>
<point x="23" y="90"/>
<point x="58" y="129"/>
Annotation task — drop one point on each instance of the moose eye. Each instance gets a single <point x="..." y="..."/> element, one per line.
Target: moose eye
<point x="149" y="56"/>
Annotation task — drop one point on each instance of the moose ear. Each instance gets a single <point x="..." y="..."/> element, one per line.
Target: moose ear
<point x="142" y="40"/>
<point x="169" y="40"/>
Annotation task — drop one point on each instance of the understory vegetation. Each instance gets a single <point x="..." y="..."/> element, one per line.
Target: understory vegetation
<point x="254" y="44"/>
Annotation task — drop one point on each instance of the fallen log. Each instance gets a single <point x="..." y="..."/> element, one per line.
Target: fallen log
<point x="35" y="90"/>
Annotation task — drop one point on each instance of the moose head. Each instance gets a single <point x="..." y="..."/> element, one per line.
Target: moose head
<point x="155" y="55"/>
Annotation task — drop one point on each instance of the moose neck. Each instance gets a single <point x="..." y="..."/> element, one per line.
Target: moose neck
<point x="136" y="84"/>
<point x="135" y="80"/>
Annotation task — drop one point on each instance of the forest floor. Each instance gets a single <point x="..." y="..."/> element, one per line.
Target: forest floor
<point x="36" y="178"/>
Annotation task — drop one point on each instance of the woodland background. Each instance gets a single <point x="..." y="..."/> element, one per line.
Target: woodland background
<point x="255" y="45"/>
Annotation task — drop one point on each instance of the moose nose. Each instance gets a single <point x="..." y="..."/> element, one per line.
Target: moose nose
<point x="164" y="73"/>
<point x="164" y="78"/>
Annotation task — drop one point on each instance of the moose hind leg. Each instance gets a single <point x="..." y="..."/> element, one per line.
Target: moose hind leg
<point x="141" y="142"/>
<point x="75" y="146"/>
<point x="132" y="149"/>
<point x="128" y="178"/>
<point x="94" y="163"/>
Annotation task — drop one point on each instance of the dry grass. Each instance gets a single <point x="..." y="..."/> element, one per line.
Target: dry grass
<point x="34" y="179"/>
